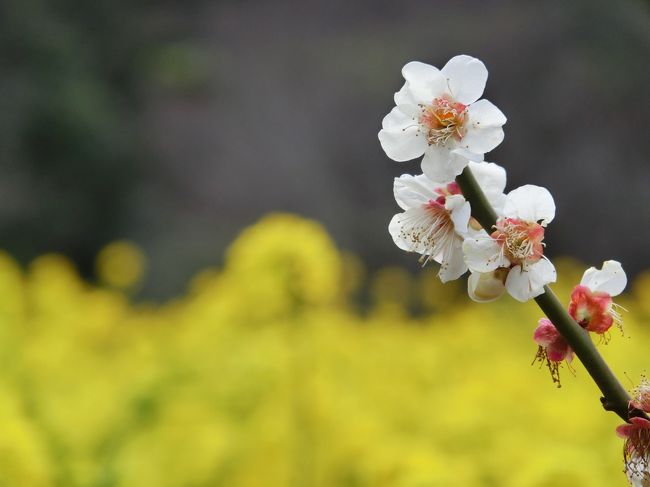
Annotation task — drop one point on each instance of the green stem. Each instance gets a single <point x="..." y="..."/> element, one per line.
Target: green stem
<point x="615" y="397"/>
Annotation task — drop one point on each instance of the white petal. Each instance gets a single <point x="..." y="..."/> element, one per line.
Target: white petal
<point x="418" y="72"/>
<point x="482" y="140"/>
<point x="396" y="227"/>
<point x="484" y="287"/>
<point x="519" y="286"/>
<point x="526" y="284"/>
<point x="497" y="201"/>
<point x="436" y="164"/>
<point x="543" y="272"/>
<point x="484" y="127"/>
<point x="427" y="233"/>
<point x="469" y="155"/>
<point x="400" y="136"/>
<point x="425" y="82"/>
<point x="407" y="230"/>
<point x="442" y="164"/>
<point x="490" y="176"/>
<point x="638" y="470"/>
<point x="460" y="212"/>
<point x="492" y="179"/>
<point x="466" y="78"/>
<point x="484" y="114"/>
<point x="611" y="279"/>
<point x="452" y="266"/>
<point x="402" y="146"/>
<point x="395" y="230"/>
<point x="530" y="203"/>
<point x="405" y="96"/>
<point x="411" y="191"/>
<point x="483" y="254"/>
<point x="401" y="117"/>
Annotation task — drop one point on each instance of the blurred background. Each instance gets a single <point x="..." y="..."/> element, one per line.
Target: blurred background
<point x="198" y="286"/>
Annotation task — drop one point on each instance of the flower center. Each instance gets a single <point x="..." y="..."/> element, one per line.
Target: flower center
<point x="521" y="241"/>
<point x="443" y="120"/>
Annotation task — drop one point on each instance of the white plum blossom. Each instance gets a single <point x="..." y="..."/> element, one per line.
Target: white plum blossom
<point x="437" y="218"/>
<point x="437" y="115"/>
<point x="434" y="223"/>
<point x="514" y="252"/>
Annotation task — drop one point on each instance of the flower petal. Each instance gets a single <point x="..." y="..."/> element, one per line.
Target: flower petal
<point x="398" y="229"/>
<point x="411" y="231"/>
<point x="611" y="279"/>
<point x="625" y="430"/>
<point x="405" y="96"/>
<point x="453" y="265"/>
<point x="492" y="180"/>
<point x="637" y="469"/>
<point x="530" y="203"/>
<point x="542" y="273"/>
<point x="411" y="191"/>
<point x="483" y="254"/>
<point x="469" y="155"/>
<point x="466" y="78"/>
<point x="424" y="81"/>
<point x="443" y="165"/>
<point x="395" y="230"/>
<point x="460" y="212"/>
<point x="484" y="113"/>
<point x="400" y="136"/>
<point x="401" y="117"/>
<point x="518" y="284"/>
<point x="484" y="127"/>
<point x="545" y="333"/>
<point x="526" y="284"/>
<point x="640" y="423"/>
<point x="484" y="287"/>
<point x="559" y="350"/>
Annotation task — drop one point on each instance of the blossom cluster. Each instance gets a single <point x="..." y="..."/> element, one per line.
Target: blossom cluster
<point x="439" y="115"/>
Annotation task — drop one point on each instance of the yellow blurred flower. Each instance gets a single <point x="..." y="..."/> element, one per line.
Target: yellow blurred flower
<point x="121" y="265"/>
<point x="263" y="375"/>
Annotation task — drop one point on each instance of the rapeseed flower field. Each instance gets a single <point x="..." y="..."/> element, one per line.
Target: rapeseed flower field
<point x="268" y="372"/>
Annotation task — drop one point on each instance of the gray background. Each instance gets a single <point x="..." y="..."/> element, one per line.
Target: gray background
<point x="176" y="124"/>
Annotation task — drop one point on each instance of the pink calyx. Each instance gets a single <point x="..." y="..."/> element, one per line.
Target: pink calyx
<point x="633" y="428"/>
<point x="593" y="310"/>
